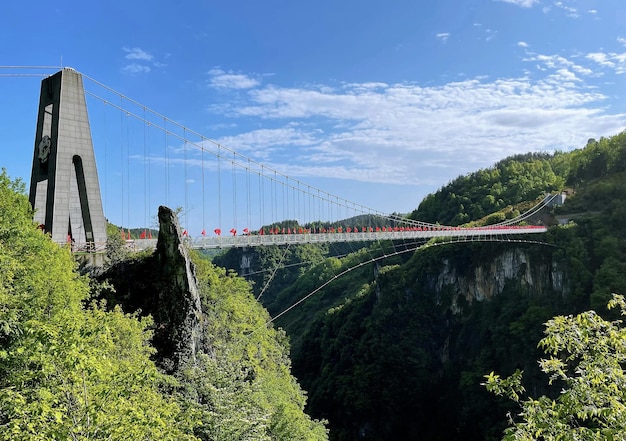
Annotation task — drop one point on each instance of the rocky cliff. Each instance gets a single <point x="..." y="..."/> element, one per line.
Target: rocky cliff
<point x="488" y="278"/>
<point x="164" y="286"/>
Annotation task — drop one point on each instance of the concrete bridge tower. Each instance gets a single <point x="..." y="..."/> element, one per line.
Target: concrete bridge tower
<point x="64" y="188"/>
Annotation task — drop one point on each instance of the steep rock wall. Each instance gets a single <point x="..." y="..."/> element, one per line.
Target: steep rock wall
<point x="163" y="286"/>
<point x="488" y="279"/>
<point x="178" y="296"/>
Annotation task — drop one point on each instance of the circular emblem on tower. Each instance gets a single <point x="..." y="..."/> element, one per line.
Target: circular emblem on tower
<point x="44" y="148"/>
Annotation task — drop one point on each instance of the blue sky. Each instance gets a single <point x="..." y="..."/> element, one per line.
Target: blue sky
<point x="378" y="102"/>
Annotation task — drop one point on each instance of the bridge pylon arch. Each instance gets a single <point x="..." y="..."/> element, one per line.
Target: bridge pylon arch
<point x="64" y="187"/>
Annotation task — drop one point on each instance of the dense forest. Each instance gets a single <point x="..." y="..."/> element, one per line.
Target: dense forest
<point x="74" y="366"/>
<point x="397" y="348"/>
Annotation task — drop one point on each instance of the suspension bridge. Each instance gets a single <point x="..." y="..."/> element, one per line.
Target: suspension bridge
<point x="224" y="198"/>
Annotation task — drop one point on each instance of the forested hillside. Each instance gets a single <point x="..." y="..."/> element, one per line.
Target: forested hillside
<point x="397" y="348"/>
<point x="73" y="366"/>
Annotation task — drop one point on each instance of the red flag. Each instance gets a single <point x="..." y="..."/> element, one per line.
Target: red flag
<point x="128" y="234"/>
<point x="142" y="235"/>
<point x="203" y="232"/>
<point x="233" y="231"/>
<point x="261" y="232"/>
<point x="218" y="231"/>
<point x="246" y="231"/>
<point x="123" y="234"/>
<point x="149" y="234"/>
<point x="185" y="233"/>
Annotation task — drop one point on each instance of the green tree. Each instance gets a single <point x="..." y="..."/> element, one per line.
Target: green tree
<point x="244" y="385"/>
<point x="586" y="355"/>
<point x="70" y="371"/>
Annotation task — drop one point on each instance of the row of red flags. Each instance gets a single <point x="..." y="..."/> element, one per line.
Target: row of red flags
<point x="147" y="234"/>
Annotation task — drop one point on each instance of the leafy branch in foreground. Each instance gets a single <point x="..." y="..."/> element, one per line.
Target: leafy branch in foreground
<point x="585" y="356"/>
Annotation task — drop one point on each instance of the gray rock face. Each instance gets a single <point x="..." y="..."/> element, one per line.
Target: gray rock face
<point x="179" y="303"/>
<point x="489" y="278"/>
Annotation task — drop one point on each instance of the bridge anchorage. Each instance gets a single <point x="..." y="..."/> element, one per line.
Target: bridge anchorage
<point x="65" y="189"/>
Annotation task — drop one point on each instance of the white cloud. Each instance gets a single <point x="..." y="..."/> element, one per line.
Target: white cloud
<point x="611" y="60"/>
<point x="229" y="80"/>
<point x="522" y="44"/>
<point x="141" y="61"/>
<point x="137" y="54"/>
<point x="491" y="34"/>
<point x="522" y="3"/>
<point x="405" y="133"/>
<point x="569" y="10"/>
<point x="557" y="62"/>
<point x="134" y="68"/>
<point x="443" y="36"/>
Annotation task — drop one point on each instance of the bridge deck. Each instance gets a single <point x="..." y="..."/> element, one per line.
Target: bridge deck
<point x="284" y="239"/>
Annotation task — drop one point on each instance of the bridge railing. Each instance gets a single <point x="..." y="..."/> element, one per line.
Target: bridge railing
<point x="252" y="240"/>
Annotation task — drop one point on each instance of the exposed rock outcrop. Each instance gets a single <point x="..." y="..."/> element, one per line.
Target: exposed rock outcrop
<point x="179" y="301"/>
<point x="487" y="280"/>
<point x="165" y="287"/>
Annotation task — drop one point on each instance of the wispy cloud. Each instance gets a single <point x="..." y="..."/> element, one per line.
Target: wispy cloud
<point x="405" y="133"/>
<point x="229" y="80"/>
<point x="522" y="3"/>
<point x="570" y="11"/>
<point x="141" y="61"/>
<point x="137" y="54"/>
<point x="443" y="36"/>
<point x="547" y="62"/>
<point x="134" y="68"/>
<point x="611" y="60"/>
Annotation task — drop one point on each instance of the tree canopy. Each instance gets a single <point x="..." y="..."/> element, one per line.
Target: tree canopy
<point x="585" y="357"/>
<point x="70" y="369"/>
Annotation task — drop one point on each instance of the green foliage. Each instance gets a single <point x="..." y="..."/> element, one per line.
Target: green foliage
<point x="245" y="383"/>
<point x="586" y="355"/>
<point x="509" y="182"/>
<point x="68" y="371"/>
<point x="116" y="250"/>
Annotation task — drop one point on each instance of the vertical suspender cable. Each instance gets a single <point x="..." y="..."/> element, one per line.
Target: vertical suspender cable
<point x="273" y="198"/>
<point x="219" y="187"/>
<point x="106" y="148"/>
<point x="122" y="156"/>
<point x="145" y="171"/>
<point x="234" y="179"/>
<point x="128" y="143"/>
<point x="149" y="182"/>
<point x="249" y="220"/>
<point x="167" y="165"/>
<point x="262" y="198"/>
<point x="185" y="176"/>
<point x="203" y="190"/>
